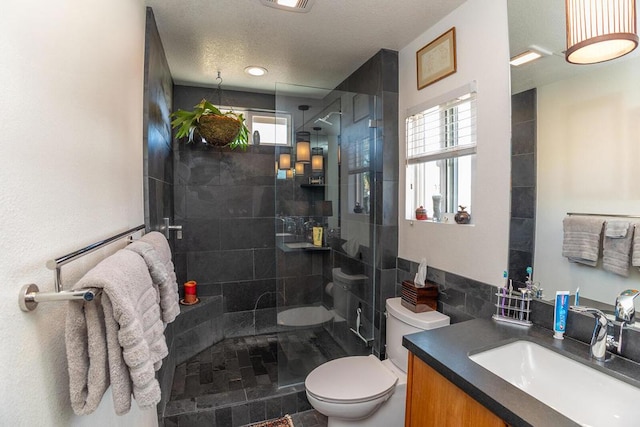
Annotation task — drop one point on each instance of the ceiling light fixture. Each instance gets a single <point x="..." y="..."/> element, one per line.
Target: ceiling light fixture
<point x="254" y="70"/>
<point x="303" y="144"/>
<point x="317" y="158"/>
<point x="599" y="31"/>
<point x="524" y="58"/>
<point x="289" y="5"/>
<point x="284" y="161"/>
<point x="531" y="54"/>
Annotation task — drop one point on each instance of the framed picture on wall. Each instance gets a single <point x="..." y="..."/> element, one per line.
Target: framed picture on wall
<point x="437" y="60"/>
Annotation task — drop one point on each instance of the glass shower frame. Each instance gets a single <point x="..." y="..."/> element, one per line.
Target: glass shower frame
<point x="311" y="328"/>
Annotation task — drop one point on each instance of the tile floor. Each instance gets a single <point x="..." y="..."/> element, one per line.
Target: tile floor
<point x="235" y="382"/>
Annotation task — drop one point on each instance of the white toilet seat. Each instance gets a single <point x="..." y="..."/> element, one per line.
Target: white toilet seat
<point x="350" y="380"/>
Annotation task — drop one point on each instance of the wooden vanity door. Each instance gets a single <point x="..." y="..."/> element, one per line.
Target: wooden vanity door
<point x="432" y="400"/>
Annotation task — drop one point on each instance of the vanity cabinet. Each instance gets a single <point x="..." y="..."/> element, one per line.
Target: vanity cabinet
<point x="432" y="400"/>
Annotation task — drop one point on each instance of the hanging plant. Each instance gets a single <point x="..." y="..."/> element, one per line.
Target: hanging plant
<point x="217" y="128"/>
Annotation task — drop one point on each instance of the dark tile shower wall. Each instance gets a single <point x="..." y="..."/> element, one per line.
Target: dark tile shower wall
<point x="523" y="183"/>
<point x="158" y="160"/>
<point x="227" y="201"/>
<point x="379" y="77"/>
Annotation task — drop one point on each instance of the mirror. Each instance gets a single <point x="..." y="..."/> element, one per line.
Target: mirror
<point x="587" y="144"/>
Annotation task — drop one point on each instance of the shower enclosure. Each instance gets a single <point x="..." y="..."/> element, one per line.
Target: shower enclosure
<point x="327" y="198"/>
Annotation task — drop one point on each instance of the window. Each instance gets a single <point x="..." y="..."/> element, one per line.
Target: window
<point x="359" y="178"/>
<point x="441" y="149"/>
<point x="274" y="128"/>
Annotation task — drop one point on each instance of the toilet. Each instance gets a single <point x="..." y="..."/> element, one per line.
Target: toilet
<point x="341" y="288"/>
<point x="363" y="390"/>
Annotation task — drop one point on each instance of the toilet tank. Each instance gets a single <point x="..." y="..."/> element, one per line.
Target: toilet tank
<point x="342" y="285"/>
<point x="402" y="321"/>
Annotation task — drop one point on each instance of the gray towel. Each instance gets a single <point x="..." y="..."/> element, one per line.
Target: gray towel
<point x="581" y="242"/>
<point x="133" y="334"/>
<point x="86" y="355"/>
<point x="635" y="259"/>
<point x="616" y="229"/>
<point x="167" y="286"/>
<point x="617" y="250"/>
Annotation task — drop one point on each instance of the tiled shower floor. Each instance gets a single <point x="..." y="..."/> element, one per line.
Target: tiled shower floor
<point x="235" y="382"/>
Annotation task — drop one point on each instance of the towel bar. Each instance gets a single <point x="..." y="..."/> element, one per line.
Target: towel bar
<point x="599" y="214"/>
<point x="30" y="294"/>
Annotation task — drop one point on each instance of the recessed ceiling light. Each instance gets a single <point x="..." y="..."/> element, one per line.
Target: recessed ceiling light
<point x="524" y="57"/>
<point x="255" y="71"/>
<point x="531" y="54"/>
<point x="289" y="5"/>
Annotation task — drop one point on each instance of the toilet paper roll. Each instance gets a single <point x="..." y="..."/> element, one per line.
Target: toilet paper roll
<point x="329" y="289"/>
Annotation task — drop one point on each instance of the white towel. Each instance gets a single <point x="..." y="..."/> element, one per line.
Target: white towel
<point x="582" y="236"/>
<point x="351" y="247"/>
<point x="168" y="287"/>
<point x="635" y="259"/>
<point x="133" y="332"/>
<point x="617" y="247"/>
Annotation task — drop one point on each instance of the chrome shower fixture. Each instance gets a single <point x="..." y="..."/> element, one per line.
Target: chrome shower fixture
<point x="326" y="118"/>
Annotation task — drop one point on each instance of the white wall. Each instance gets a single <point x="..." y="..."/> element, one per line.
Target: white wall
<point x="478" y="251"/>
<point x="71" y="150"/>
<point x="588" y="161"/>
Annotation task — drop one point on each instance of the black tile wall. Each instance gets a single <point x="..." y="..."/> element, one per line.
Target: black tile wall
<point x="227" y="203"/>
<point x="523" y="183"/>
<point x="158" y="159"/>
<point x="459" y="297"/>
<point x="379" y="77"/>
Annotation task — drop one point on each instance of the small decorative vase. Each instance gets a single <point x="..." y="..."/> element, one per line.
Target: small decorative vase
<point x="462" y="216"/>
<point x="421" y="213"/>
<point x="436" y="207"/>
<point x="256" y="137"/>
<point x="357" y="208"/>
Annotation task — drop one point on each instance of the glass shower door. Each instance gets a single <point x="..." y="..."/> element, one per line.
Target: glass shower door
<point x="318" y="319"/>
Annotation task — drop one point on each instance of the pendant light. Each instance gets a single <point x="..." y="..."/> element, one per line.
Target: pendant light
<point x="299" y="168"/>
<point x="599" y="31"/>
<point x="317" y="158"/>
<point x="303" y="144"/>
<point x="285" y="161"/>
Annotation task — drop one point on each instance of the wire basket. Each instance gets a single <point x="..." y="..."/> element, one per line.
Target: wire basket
<point x="513" y="306"/>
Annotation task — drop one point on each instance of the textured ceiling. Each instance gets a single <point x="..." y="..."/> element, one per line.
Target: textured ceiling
<point x="318" y="49"/>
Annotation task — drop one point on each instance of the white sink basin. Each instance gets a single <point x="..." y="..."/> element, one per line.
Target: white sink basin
<point x="583" y="394"/>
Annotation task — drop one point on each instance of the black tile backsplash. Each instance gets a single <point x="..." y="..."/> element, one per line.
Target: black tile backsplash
<point x="459" y="297"/>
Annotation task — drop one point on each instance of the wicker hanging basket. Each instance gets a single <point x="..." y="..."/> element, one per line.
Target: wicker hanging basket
<point x="219" y="130"/>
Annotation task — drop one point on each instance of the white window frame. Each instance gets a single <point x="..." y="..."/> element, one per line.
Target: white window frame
<point x="248" y="118"/>
<point x="249" y="115"/>
<point x="432" y="137"/>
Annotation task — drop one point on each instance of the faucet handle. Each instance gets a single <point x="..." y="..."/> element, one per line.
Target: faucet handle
<point x="625" y="309"/>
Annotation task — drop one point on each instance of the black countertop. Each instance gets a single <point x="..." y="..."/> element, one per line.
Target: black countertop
<point x="447" y="350"/>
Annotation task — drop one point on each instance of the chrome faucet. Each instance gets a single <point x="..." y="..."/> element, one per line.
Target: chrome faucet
<point x="625" y="312"/>
<point x="625" y="309"/>
<point x="599" y="338"/>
